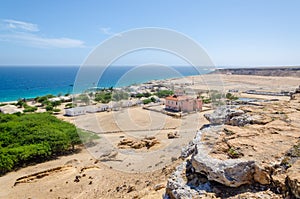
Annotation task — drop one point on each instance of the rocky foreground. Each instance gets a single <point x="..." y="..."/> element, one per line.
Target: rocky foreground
<point x="249" y="151"/>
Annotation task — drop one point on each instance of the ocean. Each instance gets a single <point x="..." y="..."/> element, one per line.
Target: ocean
<point x="31" y="81"/>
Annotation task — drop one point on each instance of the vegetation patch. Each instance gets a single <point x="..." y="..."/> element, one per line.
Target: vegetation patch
<point x="32" y="138"/>
<point x="234" y="153"/>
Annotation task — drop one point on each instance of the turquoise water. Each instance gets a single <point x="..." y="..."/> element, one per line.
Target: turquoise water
<point x="28" y="82"/>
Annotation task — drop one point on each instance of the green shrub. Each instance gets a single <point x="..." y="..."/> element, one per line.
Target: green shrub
<point x="234" y="153"/>
<point x="29" y="109"/>
<point x="35" y="137"/>
<point x="147" y="101"/>
<point x="56" y="110"/>
<point x="164" y="93"/>
<point x="49" y="107"/>
<point x="103" y="96"/>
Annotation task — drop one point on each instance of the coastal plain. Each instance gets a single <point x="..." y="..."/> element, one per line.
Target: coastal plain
<point x="141" y="173"/>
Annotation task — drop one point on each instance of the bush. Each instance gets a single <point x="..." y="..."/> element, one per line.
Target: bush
<point x="147" y="94"/>
<point x="70" y="105"/>
<point x="103" y="97"/>
<point x="49" y="107"/>
<point x="139" y="95"/>
<point x="164" y="93"/>
<point x="56" y="110"/>
<point x="206" y="100"/>
<point x="147" y="101"/>
<point x="33" y="138"/>
<point x="20" y="103"/>
<point x="231" y="96"/>
<point x="29" y="109"/>
<point x="119" y="95"/>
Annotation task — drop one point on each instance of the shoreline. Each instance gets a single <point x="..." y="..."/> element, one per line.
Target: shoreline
<point x="218" y="77"/>
<point x="279" y="71"/>
<point x="46" y="80"/>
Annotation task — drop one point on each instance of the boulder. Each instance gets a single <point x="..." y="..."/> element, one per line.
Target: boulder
<point x="190" y="148"/>
<point x="177" y="187"/>
<point x="230" y="172"/>
<point x="187" y="150"/>
<point x="261" y="175"/>
<point x="241" y="120"/>
<point x="147" y="142"/>
<point x="293" y="179"/>
<point x="172" y="135"/>
<point x="223" y="114"/>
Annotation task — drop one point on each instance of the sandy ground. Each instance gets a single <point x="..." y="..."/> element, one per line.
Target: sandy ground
<point x="137" y="123"/>
<point x="130" y="173"/>
<point x="241" y="82"/>
<point x="95" y="180"/>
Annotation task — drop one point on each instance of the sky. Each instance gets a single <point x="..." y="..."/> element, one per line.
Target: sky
<point x="232" y="32"/>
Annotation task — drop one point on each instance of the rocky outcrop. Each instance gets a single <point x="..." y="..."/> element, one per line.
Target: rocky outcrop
<point x="147" y="142"/>
<point x="234" y="156"/>
<point x="190" y="148"/>
<point x="261" y="175"/>
<point x="177" y="186"/>
<point x="231" y="172"/>
<point x="293" y="179"/>
<point x="223" y="115"/>
<point x="231" y="115"/>
<point x="172" y="135"/>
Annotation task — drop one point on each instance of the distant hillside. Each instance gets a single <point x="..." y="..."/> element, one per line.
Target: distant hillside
<point x="267" y="71"/>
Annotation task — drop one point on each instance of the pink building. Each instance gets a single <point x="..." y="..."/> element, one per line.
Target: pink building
<point x="183" y="103"/>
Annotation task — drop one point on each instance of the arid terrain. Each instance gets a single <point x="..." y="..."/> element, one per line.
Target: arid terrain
<point x="108" y="169"/>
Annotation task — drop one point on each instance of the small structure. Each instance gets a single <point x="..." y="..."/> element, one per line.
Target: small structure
<point x="61" y="98"/>
<point x="54" y="99"/>
<point x="183" y="103"/>
<point x="9" y="109"/>
<point x="75" y="111"/>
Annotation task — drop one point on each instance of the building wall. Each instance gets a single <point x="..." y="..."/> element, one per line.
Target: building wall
<point x="186" y="105"/>
<point x="172" y="104"/>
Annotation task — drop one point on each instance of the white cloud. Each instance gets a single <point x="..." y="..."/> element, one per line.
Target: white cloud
<point x="43" y="42"/>
<point x="20" y="25"/>
<point x="107" y="31"/>
<point x="27" y="34"/>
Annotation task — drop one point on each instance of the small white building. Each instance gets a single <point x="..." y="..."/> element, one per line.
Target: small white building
<point x="9" y="109"/>
<point x="66" y="98"/>
<point x="95" y="109"/>
<point x="54" y="99"/>
<point x="75" y="111"/>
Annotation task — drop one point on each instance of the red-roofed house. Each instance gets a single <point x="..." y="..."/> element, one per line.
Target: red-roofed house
<point x="183" y="103"/>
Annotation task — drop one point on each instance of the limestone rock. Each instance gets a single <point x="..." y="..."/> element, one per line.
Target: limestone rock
<point x="223" y="115"/>
<point x="279" y="182"/>
<point x="190" y="148"/>
<point x="147" y="142"/>
<point x="159" y="186"/>
<point x="293" y="179"/>
<point x="261" y="176"/>
<point x="177" y="187"/>
<point x="172" y="135"/>
<point x="230" y="172"/>
<point x="187" y="150"/>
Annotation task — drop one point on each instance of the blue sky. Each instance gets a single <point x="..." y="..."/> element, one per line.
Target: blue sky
<point x="233" y="32"/>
